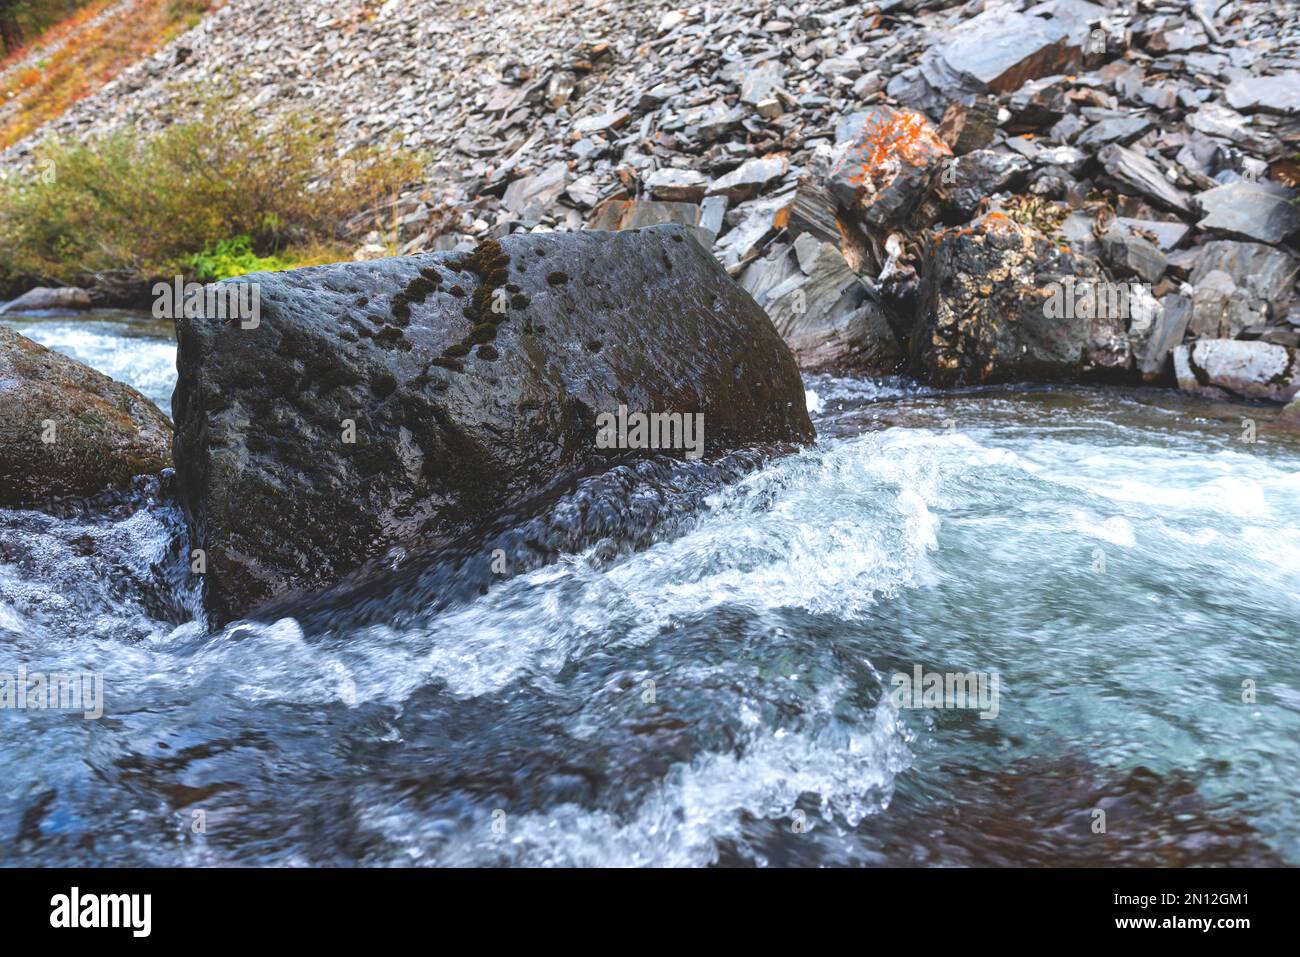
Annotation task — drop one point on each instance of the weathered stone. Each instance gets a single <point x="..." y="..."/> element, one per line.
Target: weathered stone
<point x="995" y="306"/>
<point x="1131" y="255"/>
<point x="1266" y="272"/>
<point x="977" y="175"/>
<point x="1116" y="129"/>
<point x="749" y="178"/>
<point x="999" y="51"/>
<point x="1134" y="171"/>
<point x="1269" y="94"/>
<point x="1165" y="335"/>
<point x="42" y="298"/>
<point x="677" y="185"/>
<point x="619" y="214"/>
<point x="1237" y="369"/>
<point x="1167" y="235"/>
<point x="1215" y="120"/>
<point x="1037" y="104"/>
<point x="885" y="168"/>
<point x="712" y="211"/>
<point x="758" y="84"/>
<point x="1188" y="36"/>
<point x="533" y="196"/>
<point x="968" y="128"/>
<point x="1264" y="212"/>
<point x="446" y="432"/>
<point x="1221" y="310"/>
<point x="813" y="211"/>
<point x="67" y="430"/>
<point x="602" y="122"/>
<point x="822" y="309"/>
<point x="756" y="222"/>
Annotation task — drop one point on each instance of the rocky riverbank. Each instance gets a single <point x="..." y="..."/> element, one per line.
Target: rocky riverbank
<point x="833" y="154"/>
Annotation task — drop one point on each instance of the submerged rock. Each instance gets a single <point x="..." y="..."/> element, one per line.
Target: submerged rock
<point x="67" y="430"/>
<point x="1002" y="303"/>
<point x="395" y="403"/>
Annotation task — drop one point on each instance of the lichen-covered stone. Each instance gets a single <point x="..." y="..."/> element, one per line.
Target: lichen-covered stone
<point x="984" y="314"/>
<point x="457" y="407"/>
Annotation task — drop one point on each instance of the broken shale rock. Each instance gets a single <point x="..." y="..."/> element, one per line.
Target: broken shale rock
<point x="394" y="403"/>
<point x="1238" y="369"/>
<point x="886" y="164"/>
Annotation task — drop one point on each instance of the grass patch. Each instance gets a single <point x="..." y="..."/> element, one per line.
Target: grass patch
<point x="214" y="193"/>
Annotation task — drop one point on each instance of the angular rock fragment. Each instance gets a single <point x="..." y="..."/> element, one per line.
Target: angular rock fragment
<point x="968" y="128"/>
<point x="1136" y="173"/>
<point x="1167" y="235"/>
<point x="1222" y="310"/>
<point x="677" y="185"/>
<point x="533" y="196"/>
<point x="972" y="178"/>
<point x="1264" y="212"/>
<point x="885" y="168"/>
<point x="999" y="50"/>
<point x="1266" y="272"/>
<point x="1165" y="335"/>
<point x="822" y="309"/>
<point x="1131" y="255"/>
<point x="602" y="122"/>
<point x="1268" y="94"/>
<point x="1117" y="129"/>
<point x="750" y="178"/>
<point x="758" y="84"/>
<point x="1237" y="369"/>
<point x="1037" y="104"/>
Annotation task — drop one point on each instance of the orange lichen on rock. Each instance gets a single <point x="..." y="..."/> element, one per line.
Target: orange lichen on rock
<point x="889" y="140"/>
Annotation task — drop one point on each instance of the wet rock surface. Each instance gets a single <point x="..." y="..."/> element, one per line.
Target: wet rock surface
<point x="69" y="431"/>
<point x="394" y="404"/>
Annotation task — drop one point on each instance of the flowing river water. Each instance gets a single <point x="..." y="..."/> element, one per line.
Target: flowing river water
<point x="704" y="671"/>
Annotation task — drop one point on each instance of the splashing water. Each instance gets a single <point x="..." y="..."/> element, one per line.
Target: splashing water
<point x="705" y="673"/>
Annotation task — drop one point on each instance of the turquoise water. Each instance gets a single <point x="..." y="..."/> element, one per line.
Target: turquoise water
<point x="704" y="675"/>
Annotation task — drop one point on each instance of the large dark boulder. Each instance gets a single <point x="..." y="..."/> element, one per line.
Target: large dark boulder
<point x="67" y="430"/>
<point x="458" y="409"/>
<point x="999" y="302"/>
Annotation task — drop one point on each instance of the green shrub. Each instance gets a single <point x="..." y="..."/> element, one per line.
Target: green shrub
<point x="162" y="205"/>
<point x="229" y="258"/>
